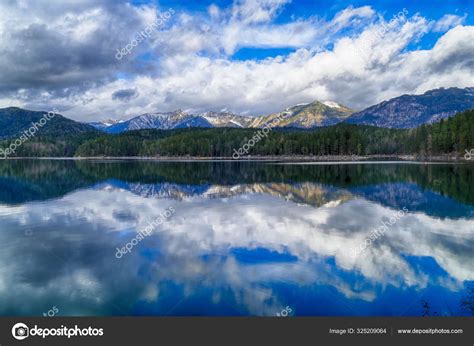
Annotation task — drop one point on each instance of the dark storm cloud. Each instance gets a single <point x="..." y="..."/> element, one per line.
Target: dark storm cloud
<point x="68" y="47"/>
<point x="124" y="94"/>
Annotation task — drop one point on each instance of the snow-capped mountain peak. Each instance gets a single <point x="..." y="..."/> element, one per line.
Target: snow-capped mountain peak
<point x="331" y="104"/>
<point x="226" y="119"/>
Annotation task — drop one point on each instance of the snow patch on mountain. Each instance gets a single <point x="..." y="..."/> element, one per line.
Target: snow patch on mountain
<point x="331" y="104"/>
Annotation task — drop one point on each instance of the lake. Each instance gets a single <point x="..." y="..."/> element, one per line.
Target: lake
<point x="116" y="238"/>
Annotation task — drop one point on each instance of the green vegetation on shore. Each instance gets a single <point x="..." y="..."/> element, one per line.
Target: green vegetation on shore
<point x="449" y="136"/>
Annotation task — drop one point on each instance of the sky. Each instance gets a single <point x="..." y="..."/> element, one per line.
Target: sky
<point x="114" y="59"/>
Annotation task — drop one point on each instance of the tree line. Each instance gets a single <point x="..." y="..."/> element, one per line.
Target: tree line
<point x="448" y="136"/>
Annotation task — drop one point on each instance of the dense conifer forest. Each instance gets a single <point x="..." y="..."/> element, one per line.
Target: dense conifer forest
<point x="449" y="136"/>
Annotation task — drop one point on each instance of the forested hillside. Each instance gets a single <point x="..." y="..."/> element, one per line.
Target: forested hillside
<point x="453" y="135"/>
<point x="449" y="136"/>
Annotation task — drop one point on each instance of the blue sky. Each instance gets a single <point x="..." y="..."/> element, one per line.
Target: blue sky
<point x="435" y="10"/>
<point x="245" y="56"/>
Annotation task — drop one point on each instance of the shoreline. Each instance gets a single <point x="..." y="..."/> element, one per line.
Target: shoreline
<point x="298" y="158"/>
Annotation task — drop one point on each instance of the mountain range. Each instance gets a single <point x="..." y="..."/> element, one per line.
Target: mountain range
<point x="409" y="111"/>
<point x="406" y="111"/>
<point x="307" y="115"/>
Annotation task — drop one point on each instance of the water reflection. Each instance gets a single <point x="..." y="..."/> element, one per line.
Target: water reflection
<point x="276" y="236"/>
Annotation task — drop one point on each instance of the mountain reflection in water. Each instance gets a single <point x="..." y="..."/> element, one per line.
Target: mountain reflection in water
<point x="247" y="238"/>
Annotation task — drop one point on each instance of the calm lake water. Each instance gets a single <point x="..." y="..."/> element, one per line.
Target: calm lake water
<point x="252" y="238"/>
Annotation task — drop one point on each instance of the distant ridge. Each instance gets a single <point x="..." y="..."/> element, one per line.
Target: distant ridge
<point x="307" y="115"/>
<point x="14" y="120"/>
<point x="406" y="111"/>
<point x="409" y="111"/>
